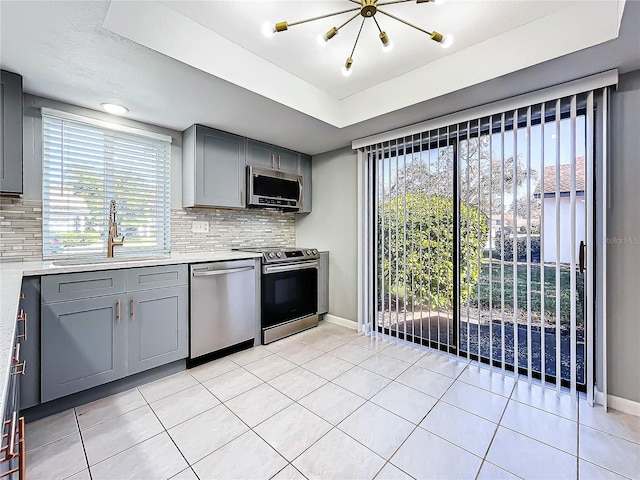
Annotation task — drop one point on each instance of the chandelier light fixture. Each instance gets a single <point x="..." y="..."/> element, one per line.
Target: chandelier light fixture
<point x="366" y="9"/>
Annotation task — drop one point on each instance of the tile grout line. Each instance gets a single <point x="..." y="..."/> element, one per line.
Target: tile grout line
<point x="578" y="441"/>
<point x="486" y="453"/>
<point x="84" y="450"/>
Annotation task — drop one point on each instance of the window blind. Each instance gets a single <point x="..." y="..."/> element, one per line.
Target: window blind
<point x="84" y="167"/>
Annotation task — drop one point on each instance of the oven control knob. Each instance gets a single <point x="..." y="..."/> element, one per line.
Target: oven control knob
<point x="315" y="252"/>
<point x="279" y="254"/>
<point x="272" y="255"/>
<point x="308" y="252"/>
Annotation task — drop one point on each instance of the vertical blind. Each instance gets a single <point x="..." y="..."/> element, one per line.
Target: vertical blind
<point x="478" y="231"/>
<point x="85" y="166"/>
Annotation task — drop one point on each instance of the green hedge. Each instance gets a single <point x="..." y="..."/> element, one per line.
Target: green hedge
<point x="419" y="227"/>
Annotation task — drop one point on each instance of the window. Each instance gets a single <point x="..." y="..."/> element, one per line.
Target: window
<point x="88" y="163"/>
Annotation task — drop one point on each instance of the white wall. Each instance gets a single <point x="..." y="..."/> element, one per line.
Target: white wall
<point x="333" y="226"/>
<point x="549" y="254"/>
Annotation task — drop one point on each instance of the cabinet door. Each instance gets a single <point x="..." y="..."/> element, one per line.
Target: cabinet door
<point x="10" y="133"/>
<point x="220" y="169"/>
<point x="82" y="345"/>
<point x="29" y="337"/>
<point x="305" y="172"/>
<point x="323" y="283"/>
<point x="260" y="155"/>
<point x="286" y="160"/>
<point x="158" y="325"/>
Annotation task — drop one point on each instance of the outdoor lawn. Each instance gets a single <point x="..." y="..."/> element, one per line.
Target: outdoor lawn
<point x="535" y="286"/>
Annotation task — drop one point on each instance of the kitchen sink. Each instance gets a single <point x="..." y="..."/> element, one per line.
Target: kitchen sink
<point x="102" y="260"/>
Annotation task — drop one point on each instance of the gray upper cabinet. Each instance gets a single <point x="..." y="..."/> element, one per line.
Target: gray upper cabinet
<point x="10" y="133"/>
<point x="213" y="168"/>
<point x="269" y="156"/>
<point x="120" y="323"/>
<point x="305" y="171"/>
<point x="286" y="160"/>
<point x="260" y="155"/>
<point x="323" y="283"/>
<point x="82" y="346"/>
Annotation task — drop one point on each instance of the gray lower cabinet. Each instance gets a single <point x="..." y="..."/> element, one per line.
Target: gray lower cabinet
<point x="158" y="333"/>
<point x="323" y="283"/>
<point x="86" y="342"/>
<point x="82" y="346"/>
<point x="29" y="336"/>
<point x="213" y="168"/>
<point x="10" y="133"/>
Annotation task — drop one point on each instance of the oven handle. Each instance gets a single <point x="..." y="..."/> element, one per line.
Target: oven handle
<point x="290" y="268"/>
<point x="208" y="273"/>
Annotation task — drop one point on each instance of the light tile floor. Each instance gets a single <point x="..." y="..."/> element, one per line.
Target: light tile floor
<point x="333" y="404"/>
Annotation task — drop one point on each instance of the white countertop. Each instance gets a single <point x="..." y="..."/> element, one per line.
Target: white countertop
<point x="12" y="273"/>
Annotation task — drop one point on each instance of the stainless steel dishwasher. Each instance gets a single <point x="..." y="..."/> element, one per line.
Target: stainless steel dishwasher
<point x="223" y="305"/>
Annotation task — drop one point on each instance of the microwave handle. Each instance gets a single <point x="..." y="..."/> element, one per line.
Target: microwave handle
<point x="299" y="189"/>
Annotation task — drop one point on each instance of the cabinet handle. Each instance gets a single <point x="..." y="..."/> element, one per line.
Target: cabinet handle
<point x="21" y="368"/>
<point x="273" y="160"/>
<point x="21" y="295"/>
<point x="133" y="308"/>
<point x="10" y="448"/>
<point x="279" y="162"/>
<point x="16" y="354"/>
<point x="118" y="311"/>
<point x="23" y="318"/>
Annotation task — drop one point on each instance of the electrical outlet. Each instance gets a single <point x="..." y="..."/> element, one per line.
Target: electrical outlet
<point x="199" y="227"/>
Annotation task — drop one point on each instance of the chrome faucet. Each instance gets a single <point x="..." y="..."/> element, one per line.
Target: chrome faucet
<point x="113" y="230"/>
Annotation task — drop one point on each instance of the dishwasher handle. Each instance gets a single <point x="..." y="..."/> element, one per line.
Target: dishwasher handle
<point x="209" y="273"/>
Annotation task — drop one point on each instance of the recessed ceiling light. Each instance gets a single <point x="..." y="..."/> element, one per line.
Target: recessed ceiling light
<point x="114" y="108"/>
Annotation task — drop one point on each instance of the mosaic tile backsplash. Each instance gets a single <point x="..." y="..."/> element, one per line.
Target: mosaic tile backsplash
<point x="21" y="229"/>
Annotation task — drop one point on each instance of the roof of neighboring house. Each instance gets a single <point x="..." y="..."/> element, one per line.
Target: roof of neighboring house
<point x="565" y="178"/>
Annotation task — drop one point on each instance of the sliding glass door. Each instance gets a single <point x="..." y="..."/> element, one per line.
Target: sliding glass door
<point x="480" y="230"/>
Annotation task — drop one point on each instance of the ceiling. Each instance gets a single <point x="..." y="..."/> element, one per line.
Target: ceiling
<point x="173" y="71"/>
<point x="298" y="53"/>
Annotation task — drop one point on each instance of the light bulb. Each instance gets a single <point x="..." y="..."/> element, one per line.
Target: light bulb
<point x="387" y="47"/>
<point x="322" y="39"/>
<point x="268" y="29"/>
<point x="447" y="41"/>
<point x="114" y="108"/>
<point x="346" y="71"/>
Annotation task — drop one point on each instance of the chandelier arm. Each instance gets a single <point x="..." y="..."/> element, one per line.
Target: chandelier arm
<point x="377" y="24"/>
<point x="406" y="23"/>
<point x="350" y="20"/>
<point x="322" y="16"/>
<point x="357" y="38"/>
<point x="356" y="1"/>
<point x="391" y="2"/>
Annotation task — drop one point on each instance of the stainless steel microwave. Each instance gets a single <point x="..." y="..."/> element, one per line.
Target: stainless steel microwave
<point x="273" y="189"/>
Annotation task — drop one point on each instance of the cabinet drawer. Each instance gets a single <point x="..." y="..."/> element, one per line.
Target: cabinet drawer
<point x="156" y="277"/>
<point x="74" y="286"/>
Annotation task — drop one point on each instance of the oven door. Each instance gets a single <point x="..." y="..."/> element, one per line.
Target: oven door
<point x="289" y="292"/>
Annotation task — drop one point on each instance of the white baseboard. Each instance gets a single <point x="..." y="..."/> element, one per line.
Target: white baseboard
<point x="618" y="403"/>
<point x="343" y="322"/>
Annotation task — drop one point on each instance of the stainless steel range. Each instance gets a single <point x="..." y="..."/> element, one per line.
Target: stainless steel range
<point x="289" y="300"/>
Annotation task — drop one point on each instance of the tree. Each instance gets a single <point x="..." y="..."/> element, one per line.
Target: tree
<point x="416" y="234"/>
<point x="432" y="172"/>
